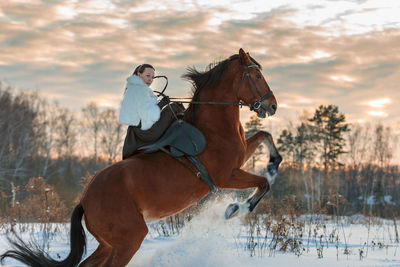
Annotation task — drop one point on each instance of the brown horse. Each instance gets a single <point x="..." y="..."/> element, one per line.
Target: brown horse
<point x="122" y="197"/>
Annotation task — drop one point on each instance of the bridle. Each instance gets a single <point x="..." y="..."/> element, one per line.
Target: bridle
<point x="253" y="87"/>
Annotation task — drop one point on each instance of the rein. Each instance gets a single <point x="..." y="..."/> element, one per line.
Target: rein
<point x="253" y="87"/>
<point x="211" y="102"/>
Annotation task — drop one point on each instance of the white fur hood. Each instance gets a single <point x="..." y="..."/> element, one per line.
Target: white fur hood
<point x="139" y="104"/>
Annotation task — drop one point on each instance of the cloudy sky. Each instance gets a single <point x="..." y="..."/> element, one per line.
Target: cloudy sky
<point x="345" y="53"/>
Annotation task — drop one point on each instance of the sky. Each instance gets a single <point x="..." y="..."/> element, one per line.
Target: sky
<point x="345" y="53"/>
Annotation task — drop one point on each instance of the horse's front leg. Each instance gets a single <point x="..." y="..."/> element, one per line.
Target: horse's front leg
<point x="274" y="156"/>
<point x="241" y="180"/>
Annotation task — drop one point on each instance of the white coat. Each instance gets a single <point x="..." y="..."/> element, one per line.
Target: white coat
<point x="139" y="104"/>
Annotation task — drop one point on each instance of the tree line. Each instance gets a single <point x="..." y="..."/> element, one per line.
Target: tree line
<point x="45" y="141"/>
<point x="48" y="153"/>
<point x="336" y="167"/>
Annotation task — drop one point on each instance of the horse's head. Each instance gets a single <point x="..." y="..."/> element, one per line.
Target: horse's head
<point x="253" y="89"/>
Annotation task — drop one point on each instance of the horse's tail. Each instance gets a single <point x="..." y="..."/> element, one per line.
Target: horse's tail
<point x="37" y="257"/>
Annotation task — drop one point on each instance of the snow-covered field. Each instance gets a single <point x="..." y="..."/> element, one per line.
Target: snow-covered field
<point x="210" y="240"/>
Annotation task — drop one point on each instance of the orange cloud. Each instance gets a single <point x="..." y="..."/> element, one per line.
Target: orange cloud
<point x="311" y="54"/>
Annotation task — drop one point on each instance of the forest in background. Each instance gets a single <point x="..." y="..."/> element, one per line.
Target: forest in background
<point x="48" y="154"/>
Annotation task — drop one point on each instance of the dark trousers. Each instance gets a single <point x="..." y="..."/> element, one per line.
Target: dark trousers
<point x="135" y="137"/>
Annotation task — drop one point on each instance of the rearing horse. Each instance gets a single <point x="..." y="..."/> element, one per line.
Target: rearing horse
<point x="120" y="198"/>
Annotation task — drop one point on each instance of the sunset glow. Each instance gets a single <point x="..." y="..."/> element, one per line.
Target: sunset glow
<point x="334" y="52"/>
<point x="377" y="113"/>
<point x="67" y="12"/>
<point x="379" y="103"/>
<point x="317" y="54"/>
<point x="342" y="78"/>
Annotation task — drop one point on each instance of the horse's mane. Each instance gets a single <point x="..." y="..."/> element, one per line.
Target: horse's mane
<point x="208" y="78"/>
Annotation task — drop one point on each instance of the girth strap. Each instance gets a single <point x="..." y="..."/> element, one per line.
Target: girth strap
<point x="202" y="172"/>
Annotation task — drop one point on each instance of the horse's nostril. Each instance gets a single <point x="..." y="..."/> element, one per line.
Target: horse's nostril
<point x="273" y="106"/>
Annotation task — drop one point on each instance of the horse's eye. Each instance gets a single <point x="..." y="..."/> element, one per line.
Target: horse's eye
<point x="258" y="76"/>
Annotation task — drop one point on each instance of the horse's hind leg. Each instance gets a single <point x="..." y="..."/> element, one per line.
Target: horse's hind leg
<point x="127" y="237"/>
<point x="99" y="256"/>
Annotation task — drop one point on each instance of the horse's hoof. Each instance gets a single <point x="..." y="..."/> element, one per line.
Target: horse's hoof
<point x="231" y="211"/>
<point x="271" y="168"/>
<point x="271" y="173"/>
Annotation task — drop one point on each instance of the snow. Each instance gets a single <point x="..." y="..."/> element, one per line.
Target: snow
<point x="371" y="200"/>
<point x="210" y="240"/>
<point x="388" y="200"/>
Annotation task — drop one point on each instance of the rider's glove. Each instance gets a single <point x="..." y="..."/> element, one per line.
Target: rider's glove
<point x="164" y="101"/>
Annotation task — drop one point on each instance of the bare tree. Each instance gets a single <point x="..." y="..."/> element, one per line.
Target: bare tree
<point x="50" y="123"/>
<point x="383" y="144"/>
<point x="92" y="123"/>
<point x="19" y="131"/>
<point x="359" y="140"/>
<point x="65" y="131"/>
<point x="111" y="134"/>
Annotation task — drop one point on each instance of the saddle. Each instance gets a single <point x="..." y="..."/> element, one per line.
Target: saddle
<point x="181" y="138"/>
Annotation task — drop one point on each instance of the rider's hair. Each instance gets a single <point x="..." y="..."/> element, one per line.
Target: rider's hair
<point x="141" y="68"/>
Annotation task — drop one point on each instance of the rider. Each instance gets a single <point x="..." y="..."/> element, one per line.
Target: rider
<point x="146" y="118"/>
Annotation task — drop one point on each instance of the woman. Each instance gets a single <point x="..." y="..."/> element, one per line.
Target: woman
<point x="146" y="118"/>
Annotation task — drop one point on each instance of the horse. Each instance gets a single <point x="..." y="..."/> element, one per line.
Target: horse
<point x="121" y="198"/>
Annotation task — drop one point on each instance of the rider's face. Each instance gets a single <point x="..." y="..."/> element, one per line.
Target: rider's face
<point x="147" y="76"/>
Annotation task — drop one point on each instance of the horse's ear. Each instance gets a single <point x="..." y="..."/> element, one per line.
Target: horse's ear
<point x="244" y="57"/>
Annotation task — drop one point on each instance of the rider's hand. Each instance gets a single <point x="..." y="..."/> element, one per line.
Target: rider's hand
<point x="164" y="101"/>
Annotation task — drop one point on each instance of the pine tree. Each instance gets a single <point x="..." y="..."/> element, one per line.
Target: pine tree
<point x="253" y="126"/>
<point x="286" y="145"/>
<point x="300" y="148"/>
<point x="329" y="126"/>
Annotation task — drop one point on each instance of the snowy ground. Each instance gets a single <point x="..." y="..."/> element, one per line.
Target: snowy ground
<point x="210" y="240"/>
